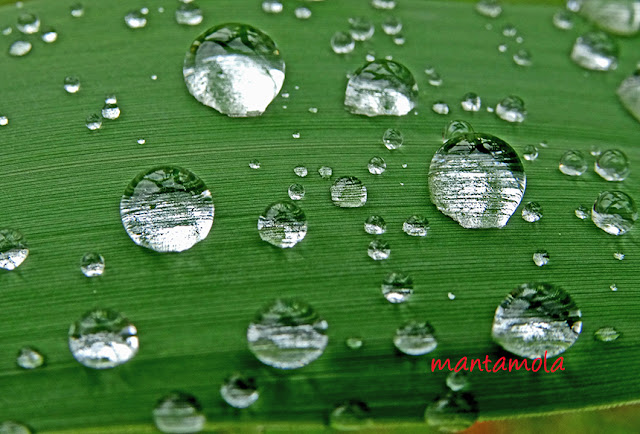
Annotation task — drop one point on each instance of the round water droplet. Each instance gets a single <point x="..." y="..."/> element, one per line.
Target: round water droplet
<point x="110" y="99"/>
<point x="502" y="48"/>
<point x="621" y="17"/>
<point x="522" y="58"/>
<point x="415" y="338"/>
<point x="154" y="77"/>
<point x="302" y="13"/>
<point x="457" y="380"/>
<point x="13" y="249"/>
<point x="28" y="24"/>
<point x="301" y="171"/>
<point x="348" y="192"/>
<point x="532" y="212"/>
<point x="629" y="94"/>
<point x="254" y="164"/>
<point x="440" y="107"/>
<point x="92" y="264"/>
<point x="582" y="212"/>
<point x="563" y="20"/>
<point x="313" y="110"/>
<point x="477" y="180"/>
<point x="391" y="25"/>
<point x="296" y="135"/>
<point x="511" y="109"/>
<point x="397" y="287"/>
<point x="179" y="413"/>
<point x="377" y="166"/>
<point x="7" y="30"/>
<point x="541" y="258"/>
<point x="392" y="139"/>
<point x="103" y="338"/>
<point x="135" y="20"/>
<point x="471" y="102"/>
<point x="379" y="250"/>
<point x="325" y="172"/>
<point x="434" y="79"/>
<point x="354" y="343"/>
<point x="77" y="10"/>
<point x="595" y="51"/>
<point x="383" y="4"/>
<point x="351" y="416"/>
<point x="283" y="224"/>
<point x="94" y="122"/>
<point x="20" y="48"/>
<point x="272" y="6"/>
<point x="144" y="11"/>
<point x="111" y="111"/>
<point x="612" y="165"/>
<point x="141" y="141"/>
<point x="342" y="43"/>
<point x="239" y="391"/>
<point x="29" y="358"/>
<point x="189" y="14"/>
<point x="453" y="412"/>
<point x="530" y="153"/>
<point x="399" y="39"/>
<point x="619" y="256"/>
<point x="416" y="226"/>
<point x="361" y="29"/>
<point x="49" y="36"/>
<point x="489" y="8"/>
<point x="614" y="212"/>
<point x="381" y="87"/>
<point x="12" y="427"/>
<point x="167" y="209"/>
<point x="613" y="287"/>
<point x="375" y="225"/>
<point x="296" y="191"/>
<point x="537" y="318"/>
<point x="4" y="121"/>
<point x="574" y="5"/>
<point x="235" y="69"/>
<point x="455" y="129"/>
<point x="287" y="334"/>
<point x="606" y="334"/>
<point x="573" y="163"/>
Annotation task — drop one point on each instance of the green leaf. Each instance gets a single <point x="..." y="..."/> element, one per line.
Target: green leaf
<point x="62" y="185"/>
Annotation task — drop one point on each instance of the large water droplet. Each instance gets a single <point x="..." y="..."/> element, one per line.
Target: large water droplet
<point x="29" y="358"/>
<point x="178" y="413"/>
<point x="453" y="412"/>
<point x="397" y="287"/>
<point x="477" y="180"/>
<point x="13" y="427"/>
<point x="511" y="109"/>
<point x="614" y="212"/>
<point x="455" y="129"/>
<point x="28" y="24"/>
<point x="189" y="14"/>
<point x="379" y="250"/>
<point x="381" y="87"/>
<point x="416" y="226"/>
<point x="167" y="209"/>
<point x="606" y="334"/>
<point x="360" y="28"/>
<point x="348" y="192"/>
<point x="283" y="224"/>
<point x="287" y="334"/>
<point x="573" y="163"/>
<point x="135" y="19"/>
<point x="471" y="102"/>
<point x="342" y="43"/>
<point x="629" y="94"/>
<point x="92" y="264"/>
<point x="532" y="212"/>
<point x="536" y="318"/>
<point x="595" y="51"/>
<point x="239" y="391"/>
<point x="489" y="8"/>
<point x="351" y="416"/>
<point x="415" y="338"/>
<point x="20" y="48"/>
<point x="612" y="165"/>
<point x="392" y="139"/>
<point x="235" y="69"/>
<point x="13" y="249"/>
<point x="103" y="338"/>
<point x="621" y="17"/>
<point x="377" y="166"/>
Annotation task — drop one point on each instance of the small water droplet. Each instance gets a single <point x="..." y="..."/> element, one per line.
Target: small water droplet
<point x="606" y="334"/>
<point x="154" y="77"/>
<point x="49" y="36"/>
<point x="381" y="87"/>
<point x="242" y="77"/>
<point x="272" y="6"/>
<point x="71" y="84"/>
<point x="434" y="79"/>
<point x="399" y="39"/>
<point x="455" y="129"/>
<point x="451" y="296"/>
<point x="77" y="10"/>
<point x="489" y="8"/>
<point x="361" y="29"/>
<point x="532" y="212"/>
<point x="471" y="102"/>
<point x="541" y="258"/>
<point x="478" y="180"/>
<point x="354" y="343"/>
<point x="92" y="264"/>
<point x="296" y="191"/>
<point x="285" y="95"/>
<point x="110" y="99"/>
<point x="28" y="358"/>
<point x="453" y="412"/>
<point x="4" y="121"/>
<point x="283" y="224"/>
<point x="301" y="171"/>
<point x="325" y="172"/>
<point x="375" y="225"/>
<point x="502" y="48"/>
<point x="167" y="209"/>
<point x="629" y="93"/>
<point x="392" y="139"/>
<point x="612" y="165"/>
<point x="595" y="51"/>
<point x="254" y="164"/>
<point x="141" y="141"/>
<point x="348" y="192"/>
<point x="522" y="57"/>
<point x="457" y="381"/>
<point x="563" y="20"/>
<point x="377" y="166"/>
<point x="620" y="17"/>
<point x="519" y="39"/>
<point x="302" y="13"/>
<point x="13" y="427"/>
<point x="536" y="318"/>
<point x="574" y="5"/>
<point x="391" y="25"/>
<point x="530" y="153"/>
<point x="416" y="226"/>
<point x="135" y="19"/>
<point x="7" y="31"/>
<point x="239" y="391"/>
<point x="313" y="110"/>
<point x="509" y="30"/>
<point x="351" y="416"/>
<point x="379" y="250"/>
<point x="613" y="287"/>
<point x="511" y="109"/>
<point x="573" y="163"/>
<point x="342" y="43"/>
<point x="287" y="334"/>
<point x="189" y="14"/>
<point x="383" y="4"/>
<point x="20" y="48"/>
<point x="440" y="107"/>
<point x="397" y="287"/>
<point x="179" y="412"/>
<point x="618" y="255"/>
<point x="415" y="338"/>
<point x="102" y="339"/>
<point x="110" y="111"/>
<point x="614" y="212"/>
<point x="490" y="109"/>
<point x="144" y="11"/>
<point x="28" y="24"/>
<point x="582" y="212"/>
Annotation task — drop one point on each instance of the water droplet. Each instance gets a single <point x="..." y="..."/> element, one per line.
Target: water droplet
<point x="416" y="226"/>
<point x="536" y="318"/>
<point x="189" y="14"/>
<point x="434" y="79"/>
<point x="103" y="338"/>
<point x="457" y="380"/>
<point x="502" y="48"/>
<point x="541" y="258"/>
<point x="582" y="212"/>
<point x="375" y="225"/>
<point x="29" y="358"/>
<point x="272" y="6"/>
<point x="179" y="412"/>
<point x="110" y="111"/>
<point x="361" y="29"/>
<point x="20" y="48"/>
<point x="397" y="287"/>
<point x="13" y="249"/>
<point x="77" y="10"/>
<point x="28" y="24"/>
<point x="519" y="39"/>
<point x="391" y="25"/>
<point x="489" y="8"/>
<point x="135" y="20"/>
<point x="94" y="122"/>
<point x="254" y="164"/>
<point x="313" y="110"/>
<point x="620" y="17"/>
<point x="370" y="57"/>
<point x="154" y="77"/>
<point x="509" y="30"/>
<point x="381" y="87"/>
<point x="399" y="40"/>
<point x="455" y="129"/>
<point x="167" y="209"/>
<point x="351" y="416"/>
<point x="618" y="255"/>
<point x="301" y="171"/>
<point x="377" y="166"/>
<point x="348" y="192"/>
<point x="296" y="191"/>
<point x="235" y="69"/>
<point x="453" y="412"/>
<point x="354" y="343"/>
<point x="283" y="224"/>
<point x="92" y="264"/>
<point x="379" y="250"/>
<point x="239" y="391"/>
<point x="530" y="153"/>
<point x="612" y="165"/>
<point x="302" y="13"/>
<point x="522" y="58"/>
<point x="342" y="43"/>
<point x="613" y="287"/>
<point x="595" y="51"/>
<point x="415" y="338"/>
<point x="295" y="135"/>
<point x="451" y="296"/>
<point x="477" y="180"/>
<point x="573" y="163"/>
<point x="614" y="212"/>
<point x="12" y="427"/>
<point x="606" y="334"/>
<point x="4" y="121"/>
<point x="144" y="11"/>
<point x="287" y="334"/>
<point x="49" y="36"/>
<point x="392" y="139"/>
<point x="383" y="4"/>
<point x="563" y="20"/>
<point x="7" y="31"/>
<point x="574" y="5"/>
<point x="141" y="141"/>
<point x="471" y="102"/>
<point x="110" y="99"/>
<point x="440" y="107"/>
<point x="629" y="94"/>
<point x="532" y="212"/>
<point x="511" y="109"/>
<point x="325" y="172"/>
